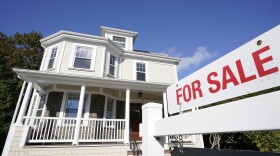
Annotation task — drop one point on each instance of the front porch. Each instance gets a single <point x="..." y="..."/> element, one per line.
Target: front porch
<point x="65" y="114"/>
<point x="75" y="109"/>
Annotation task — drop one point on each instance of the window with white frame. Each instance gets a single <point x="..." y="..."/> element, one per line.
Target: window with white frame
<point x="140" y="71"/>
<point x="41" y="105"/>
<point x="52" y="58"/>
<point x="119" y="40"/>
<point x="83" y="56"/>
<point x="110" y="108"/>
<point x="112" y="65"/>
<point x="72" y="105"/>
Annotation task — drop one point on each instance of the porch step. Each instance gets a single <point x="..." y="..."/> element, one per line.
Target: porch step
<point x="130" y="153"/>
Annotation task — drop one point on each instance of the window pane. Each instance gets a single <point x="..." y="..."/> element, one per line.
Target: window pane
<point x="118" y="39"/>
<point x="109" y="111"/>
<point x="112" y="70"/>
<point x="82" y="63"/>
<point x="109" y="115"/>
<point x="53" y="54"/>
<point x="72" y="105"/>
<point x="122" y="45"/>
<point x="141" y="76"/>
<point x="140" y="67"/>
<point x="51" y="63"/>
<point x="112" y="60"/>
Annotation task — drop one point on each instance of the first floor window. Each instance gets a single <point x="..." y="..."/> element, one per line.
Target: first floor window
<point x="72" y="105"/>
<point x="110" y="108"/>
<point x="83" y="57"/>
<point x="140" y="71"/>
<point x="112" y="65"/>
<point x="41" y="105"/>
<point x="52" y="58"/>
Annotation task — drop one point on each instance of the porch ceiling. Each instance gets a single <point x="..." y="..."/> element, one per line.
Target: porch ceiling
<point x="43" y="79"/>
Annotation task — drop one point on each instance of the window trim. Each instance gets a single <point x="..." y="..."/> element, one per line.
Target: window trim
<point x="146" y="70"/>
<point x="49" y="57"/>
<point x="93" y="57"/>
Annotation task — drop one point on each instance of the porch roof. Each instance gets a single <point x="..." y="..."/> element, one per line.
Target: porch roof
<point x="41" y="79"/>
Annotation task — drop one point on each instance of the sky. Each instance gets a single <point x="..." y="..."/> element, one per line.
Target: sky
<point x="196" y="31"/>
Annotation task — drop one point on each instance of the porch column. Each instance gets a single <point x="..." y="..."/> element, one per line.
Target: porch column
<point x="79" y="116"/>
<point x="24" y="104"/>
<point x="127" y="103"/>
<point x="18" y="102"/>
<point x="165" y="104"/>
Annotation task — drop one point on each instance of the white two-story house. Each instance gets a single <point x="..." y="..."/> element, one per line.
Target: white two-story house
<point x="87" y="96"/>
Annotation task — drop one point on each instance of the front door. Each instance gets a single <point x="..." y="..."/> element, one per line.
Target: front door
<point x="135" y="120"/>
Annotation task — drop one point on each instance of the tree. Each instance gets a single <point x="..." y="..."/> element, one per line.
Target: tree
<point x="18" y="51"/>
<point x="268" y="141"/>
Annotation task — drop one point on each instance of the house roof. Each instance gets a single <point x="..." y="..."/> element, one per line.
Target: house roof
<point x="62" y="35"/>
<point x="104" y="29"/>
<point x="44" y="78"/>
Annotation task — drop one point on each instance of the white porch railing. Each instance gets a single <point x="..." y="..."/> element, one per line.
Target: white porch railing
<point x="52" y="129"/>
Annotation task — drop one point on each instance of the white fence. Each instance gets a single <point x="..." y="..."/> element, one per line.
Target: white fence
<point x="52" y="129"/>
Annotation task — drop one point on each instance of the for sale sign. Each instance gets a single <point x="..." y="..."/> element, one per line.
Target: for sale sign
<point x="250" y="68"/>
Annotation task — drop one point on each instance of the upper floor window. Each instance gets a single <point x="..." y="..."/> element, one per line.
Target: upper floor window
<point x="112" y="66"/>
<point x="83" y="57"/>
<point x="140" y="71"/>
<point x="52" y="58"/>
<point x="119" y="40"/>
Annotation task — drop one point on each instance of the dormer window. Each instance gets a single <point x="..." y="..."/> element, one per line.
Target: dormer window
<point x="83" y="57"/>
<point x="52" y="58"/>
<point x="119" y="40"/>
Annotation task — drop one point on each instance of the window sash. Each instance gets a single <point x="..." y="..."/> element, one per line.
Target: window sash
<point x="112" y="65"/>
<point x="52" y="58"/>
<point x="120" y="41"/>
<point x="72" y="110"/>
<point x="41" y="105"/>
<point x="110" y="108"/>
<point x="141" y="76"/>
<point x="83" y="56"/>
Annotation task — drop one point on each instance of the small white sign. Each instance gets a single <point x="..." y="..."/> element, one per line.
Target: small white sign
<point x="250" y="68"/>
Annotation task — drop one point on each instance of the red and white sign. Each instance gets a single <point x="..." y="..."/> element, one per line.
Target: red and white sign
<point x="250" y="68"/>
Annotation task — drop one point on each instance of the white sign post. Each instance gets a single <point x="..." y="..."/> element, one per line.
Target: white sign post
<point x="252" y="67"/>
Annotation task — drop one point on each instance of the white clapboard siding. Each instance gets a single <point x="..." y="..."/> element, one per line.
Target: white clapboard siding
<point x="127" y="69"/>
<point x="161" y="72"/>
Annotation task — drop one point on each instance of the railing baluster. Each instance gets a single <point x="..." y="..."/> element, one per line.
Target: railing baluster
<point x="45" y="129"/>
<point x="34" y="129"/>
<point x="65" y="128"/>
<point x="42" y="126"/>
<point x="49" y="128"/>
<point x="99" y="128"/>
<point x="111" y="129"/>
<point x="38" y="126"/>
<point x="68" y="129"/>
<point x="114" y="129"/>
